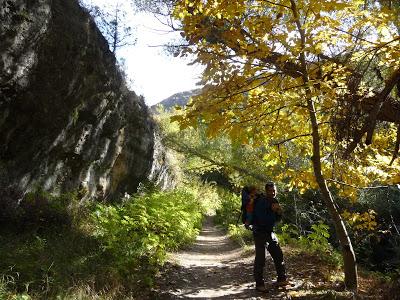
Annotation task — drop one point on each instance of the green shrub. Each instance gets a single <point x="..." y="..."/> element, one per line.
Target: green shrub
<point x="229" y="211"/>
<point x="228" y="216"/>
<point x="138" y="232"/>
<point x="318" y="237"/>
<point x="240" y="234"/>
<point x="289" y="234"/>
<point x="207" y="193"/>
<point x="315" y="241"/>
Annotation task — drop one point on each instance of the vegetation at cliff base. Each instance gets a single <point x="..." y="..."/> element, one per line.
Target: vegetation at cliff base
<point x="95" y="250"/>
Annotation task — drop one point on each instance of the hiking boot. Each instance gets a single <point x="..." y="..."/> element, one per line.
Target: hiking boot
<point x="261" y="288"/>
<point x="282" y="281"/>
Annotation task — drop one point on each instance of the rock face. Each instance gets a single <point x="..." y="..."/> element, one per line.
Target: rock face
<point x="67" y="120"/>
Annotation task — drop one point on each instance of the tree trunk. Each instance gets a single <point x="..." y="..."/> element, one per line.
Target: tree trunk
<point x="115" y="31"/>
<point x="349" y="258"/>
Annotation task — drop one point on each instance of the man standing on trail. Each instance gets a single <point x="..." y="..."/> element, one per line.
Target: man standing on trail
<point x="266" y="212"/>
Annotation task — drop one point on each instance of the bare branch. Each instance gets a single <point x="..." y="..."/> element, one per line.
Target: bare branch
<point x="291" y="138"/>
<point x="357" y="187"/>
<point x="277" y="4"/>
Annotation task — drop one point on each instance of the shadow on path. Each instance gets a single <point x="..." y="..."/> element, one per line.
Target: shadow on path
<point x="213" y="267"/>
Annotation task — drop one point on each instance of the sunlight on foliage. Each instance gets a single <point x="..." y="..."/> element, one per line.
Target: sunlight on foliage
<point x="308" y="79"/>
<point x="316" y="241"/>
<point x="145" y="227"/>
<point x="361" y="221"/>
<point x="239" y="164"/>
<point x="117" y="248"/>
<point x="257" y="87"/>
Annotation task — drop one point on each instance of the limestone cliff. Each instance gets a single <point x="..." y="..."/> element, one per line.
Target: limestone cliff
<point x="67" y="120"/>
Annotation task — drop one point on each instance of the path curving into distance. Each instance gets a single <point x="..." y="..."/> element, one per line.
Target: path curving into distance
<point x="214" y="267"/>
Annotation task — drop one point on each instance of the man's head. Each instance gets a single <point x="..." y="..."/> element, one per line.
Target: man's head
<point x="270" y="190"/>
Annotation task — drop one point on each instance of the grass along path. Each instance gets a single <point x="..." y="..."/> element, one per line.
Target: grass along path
<point x="215" y="267"/>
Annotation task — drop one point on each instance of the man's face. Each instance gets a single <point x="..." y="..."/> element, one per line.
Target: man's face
<point x="270" y="192"/>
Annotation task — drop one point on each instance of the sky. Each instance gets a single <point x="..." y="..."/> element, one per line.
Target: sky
<point x="156" y="75"/>
<point x="151" y="71"/>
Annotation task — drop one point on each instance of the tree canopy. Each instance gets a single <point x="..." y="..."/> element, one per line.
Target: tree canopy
<point x="265" y="59"/>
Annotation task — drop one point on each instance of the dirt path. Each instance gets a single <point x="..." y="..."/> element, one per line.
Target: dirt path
<point x="214" y="267"/>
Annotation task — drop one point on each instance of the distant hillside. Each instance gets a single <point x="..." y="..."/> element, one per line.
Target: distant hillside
<point x="180" y="99"/>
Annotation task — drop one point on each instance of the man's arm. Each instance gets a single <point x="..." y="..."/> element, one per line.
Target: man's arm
<point x="277" y="209"/>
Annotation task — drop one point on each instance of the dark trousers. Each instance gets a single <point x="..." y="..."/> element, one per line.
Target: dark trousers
<point x="267" y="240"/>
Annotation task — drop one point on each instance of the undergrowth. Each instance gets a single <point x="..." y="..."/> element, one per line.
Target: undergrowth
<point x="61" y="248"/>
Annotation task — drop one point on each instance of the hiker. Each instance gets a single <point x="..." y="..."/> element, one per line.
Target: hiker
<point x="266" y="212"/>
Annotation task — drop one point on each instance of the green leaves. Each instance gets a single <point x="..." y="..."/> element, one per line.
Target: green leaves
<point x="145" y="227"/>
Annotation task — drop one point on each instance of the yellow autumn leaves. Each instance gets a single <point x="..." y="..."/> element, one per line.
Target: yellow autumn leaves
<point x="256" y="87"/>
<point x="361" y="221"/>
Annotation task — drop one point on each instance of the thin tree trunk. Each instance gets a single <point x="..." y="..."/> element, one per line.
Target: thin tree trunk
<point x="349" y="258"/>
<point x="115" y="33"/>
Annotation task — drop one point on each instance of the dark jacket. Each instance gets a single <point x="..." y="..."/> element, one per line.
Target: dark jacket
<point x="264" y="219"/>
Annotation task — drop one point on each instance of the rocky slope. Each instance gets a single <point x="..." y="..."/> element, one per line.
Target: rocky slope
<point x="67" y="120"/>
<point x="178" y="99"/>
